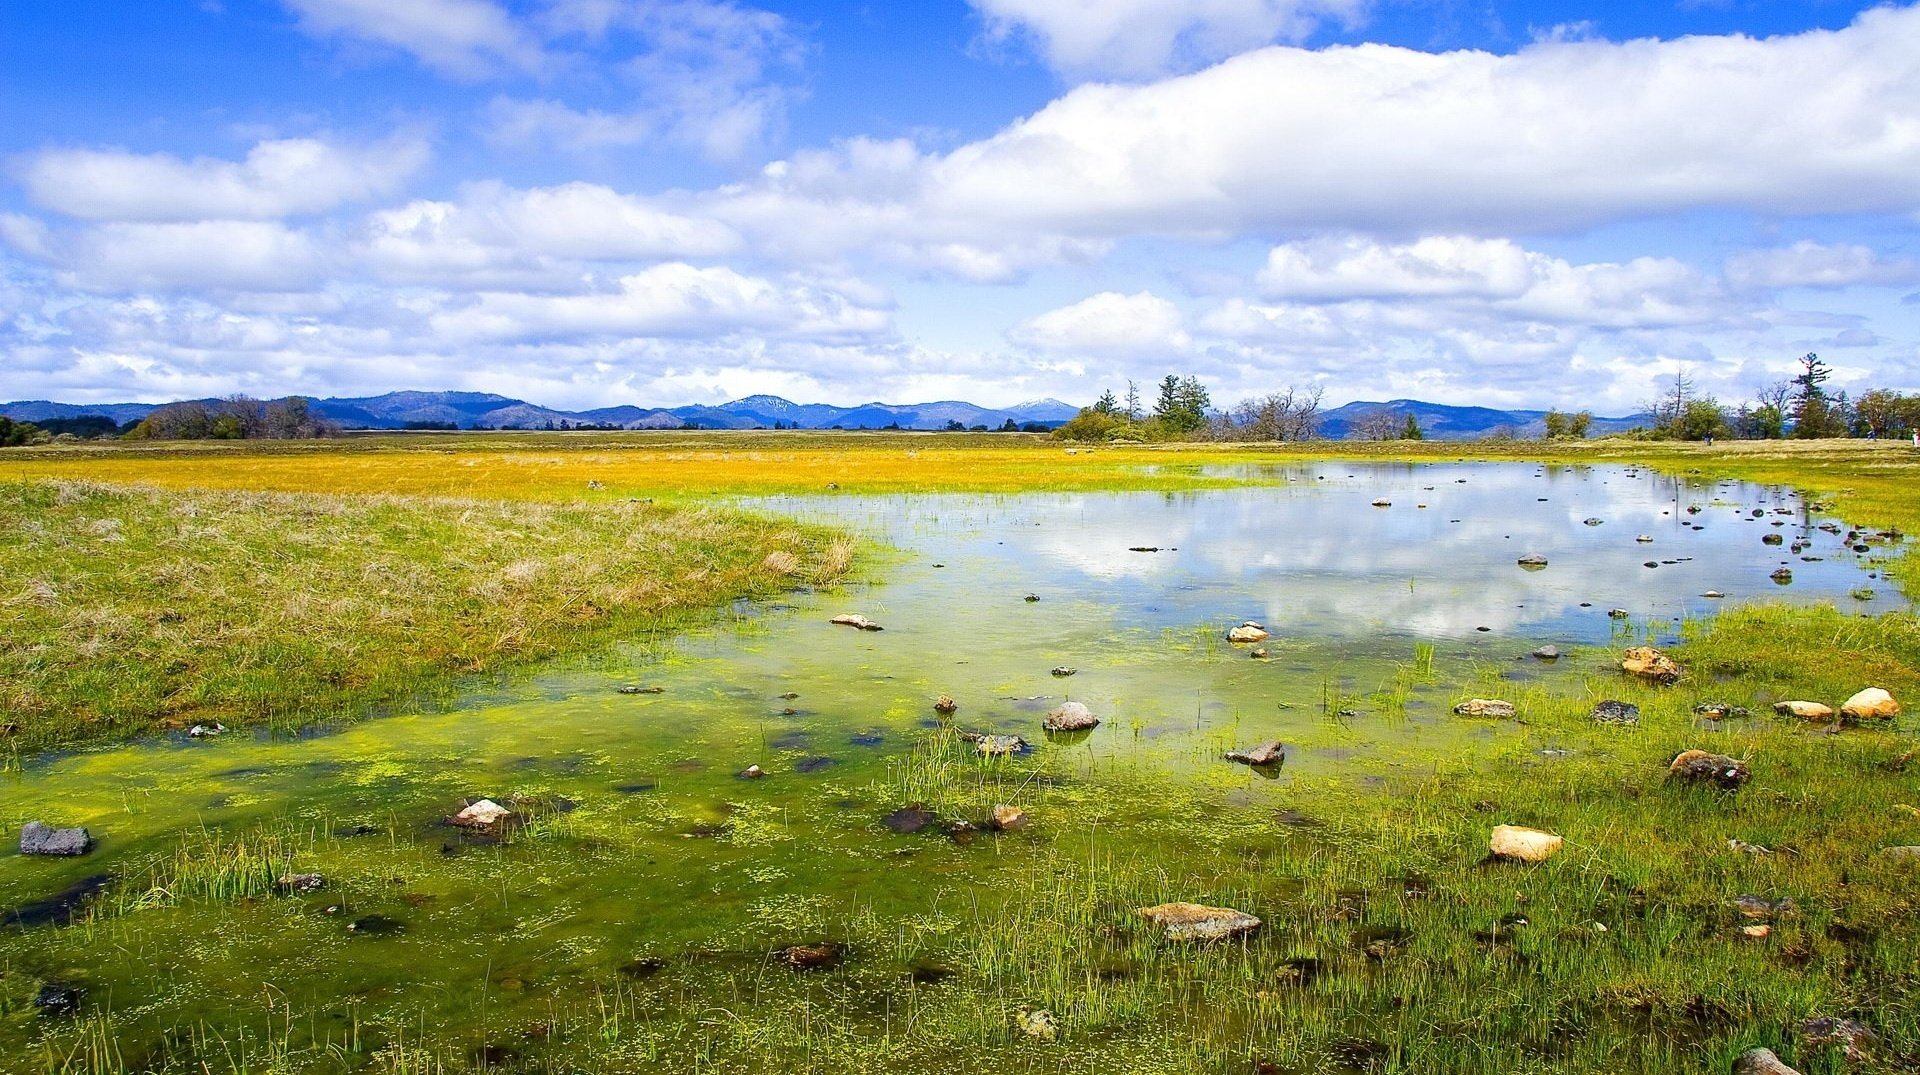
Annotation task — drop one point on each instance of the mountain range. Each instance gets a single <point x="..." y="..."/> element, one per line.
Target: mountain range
<point x="485" y="410"/>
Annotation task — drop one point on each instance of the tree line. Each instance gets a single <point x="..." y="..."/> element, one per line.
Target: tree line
<point x="1799" y="407"/>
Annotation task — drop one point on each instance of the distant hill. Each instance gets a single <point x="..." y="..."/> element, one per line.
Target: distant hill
<point x="485" y="410"/>
<point x="1441" y="422"/>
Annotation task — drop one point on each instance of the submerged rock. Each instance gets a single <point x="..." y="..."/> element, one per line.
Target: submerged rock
<point x="1613" y="711"/>
<point x="206" y="731"/>
<point x="945" y="704"/>
<point x="1644" y="539"/>
<point x="1547" y="653"/>
<point x="39" y="838"/>
<point x="1702" y="767"/>
<point x="1804" y="710"/>
<point x="1873" y="703"/>
<point x="860" y="622"/>
<point x="1272" y="753"/>
<point x="752" y="772"/>
<point x="1063" y="671"/>
<point x="1718" y="710"/>
<point x="1009" y="818"/>
<point x="1198" y="922"/>
<point x="1038" y="1025"/>
<point x="1515" y="843"/>
<point x="1617" y="613"/>
<point x="1781" y="575"/>
<point x="1532" y="559"/>
<point x="1000" y="746"/>
<point x="909" y="819"/>
<point x="300" y="883"/>
<point x="1761" y="1062"/>
<point x="636" y="689"/>
<point x="1070" y="717"/>
<point x="1485" y="707"/>
<point x="59" y="998"/>
<point x="822" y="956"/>
<point x="1649" y="663"/>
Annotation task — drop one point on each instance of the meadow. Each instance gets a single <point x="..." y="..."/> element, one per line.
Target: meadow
<point x="634" y="921"/>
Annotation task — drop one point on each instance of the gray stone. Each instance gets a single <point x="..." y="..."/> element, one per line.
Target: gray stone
<point x="39" y="838"/>
<point x="1761" y="1062"/>
<point x="1616" y="712"/>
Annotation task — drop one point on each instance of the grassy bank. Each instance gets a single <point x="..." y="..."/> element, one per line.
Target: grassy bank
<point x="127" y="610"/>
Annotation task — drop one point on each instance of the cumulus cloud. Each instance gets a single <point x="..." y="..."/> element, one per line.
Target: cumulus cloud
<point x="465" y="38"/>
<point x="240" y="255"/>
<point x="1388" y="139"/>
<point x="1131" y="38"/>
<point x="277" y="178"/>
<point x="495" y="235"/>
<point x="1810" y="264"/>
<point x="1142" y="324"/>
<point x="668" y="300"/>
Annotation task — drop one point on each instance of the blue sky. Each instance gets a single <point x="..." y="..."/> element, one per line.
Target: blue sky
<point x="587" y="202"/>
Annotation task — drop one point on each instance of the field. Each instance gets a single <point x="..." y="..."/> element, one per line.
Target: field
<point x="414" y="579"/>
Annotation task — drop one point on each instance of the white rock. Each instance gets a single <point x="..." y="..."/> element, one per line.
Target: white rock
<point x="1523" y="844"/>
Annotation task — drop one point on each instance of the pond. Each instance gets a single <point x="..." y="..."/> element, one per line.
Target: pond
<point x="651" y="881"/>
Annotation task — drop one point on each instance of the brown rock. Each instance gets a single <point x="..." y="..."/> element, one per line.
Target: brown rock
<point x="1702" y="767"/>
<point x="1804" y="710"/>
<point x="1518" y="844"/>
<point x="1248" y="632"/>
<point x="1870" y="704"/>
<point x="1485" y="707"/>
<point x="1070" y="717"/>
<point x="810" y="956"/>
<point x="1761" y="1062"/>
<point x="1649" y="663"/>
<point x="1198" y="922"/>
<point x="945" y="704"/>
<point x="1271" y="753"/>
<point x="1009" y="818"/>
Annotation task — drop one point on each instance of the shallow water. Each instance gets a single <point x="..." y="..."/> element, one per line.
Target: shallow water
<point x="649" y="846"/>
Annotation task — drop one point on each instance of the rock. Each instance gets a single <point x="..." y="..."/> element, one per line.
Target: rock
<point x="1804" y="710"/>
<point x="1756" y="908"/>
<point x="59" y="998"/>
<point x="1758" y="932"/>
<point x="39" y="838"/>
<point x="1613" y="711"/>
<point x="206" y="731"/>
<point x="1905" y="853"/>
<point x="1547" y="653"/>
<point x="1039" y="1025"/>
<point x="1853" y="1038"/>
<point x="1383" y="502"/>
<point x="1718" y="710"/>
<point x="860" y="622"/>
<point x="1870" y="704"/>
<point x="1031" y="598"/>
<point x="633" y="689"/>
<point x="820" y="956"/>
<point x="300" y="883"/>
<point x="1198" y="922"/>
<point x="484" y="814"/>
<point x="1593" y="521"/>
<point x="1247" y="633"/>
<point x="752" y="772"/>
<point x="1716" y="594"/>
<point x="1063" y="671"/>
<point x="1009" y="818"/>
<point x="945" y="705"/>
<point x="1649" y="663"/>
<point x="1644" y="539"/>
<point x="1617" y="613"/>
<point x="1272" y="753"/>
<point x="1070" y="717"/>
<point x="1703" y="767"/>
<point x="1772" y="539"/>
<point x="1781" y="575"/>
<point x="1761" y="1062"/>
<point x="1000" y="746"/>
<point x="1485" y="707"/>
<point x="1532" y="559"/>
<point x="1516" y="844"/>
<point x="1260" y="654"/>
<point x="909" y="819"/>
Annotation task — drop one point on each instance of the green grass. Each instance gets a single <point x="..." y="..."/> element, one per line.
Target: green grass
<point x="130" y="610"/>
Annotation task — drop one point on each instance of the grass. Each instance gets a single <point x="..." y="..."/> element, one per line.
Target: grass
<point x="1390" y="945"/>
<point x="129" y="610"/>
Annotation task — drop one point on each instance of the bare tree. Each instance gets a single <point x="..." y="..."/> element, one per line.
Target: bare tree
<point x="1293" y="414"/>
<point x="1378" y="424"/>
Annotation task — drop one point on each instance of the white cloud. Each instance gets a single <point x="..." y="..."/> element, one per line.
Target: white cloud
<point x="239" y="255"/>
<point x="465" y="38"/>
<point x="1144" y="37"/>
<point x="668" y="300"/>
<point x="278" y="178"/>
<point x="1560" y="135"/>
<point x="1142" y="324"/>
<point x="495" y="235"/>
<point x="1811" y="264"/>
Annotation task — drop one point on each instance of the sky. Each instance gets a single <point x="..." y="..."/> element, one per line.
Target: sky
<point x="594" y="202"/>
